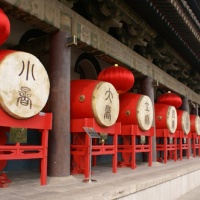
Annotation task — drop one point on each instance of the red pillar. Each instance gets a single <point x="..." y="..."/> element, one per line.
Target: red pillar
<point x="59" y="104"/>
<point x="147" y="89"/>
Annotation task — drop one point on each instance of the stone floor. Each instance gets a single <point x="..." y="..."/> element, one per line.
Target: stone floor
<point x="176" y="178"/>
<point x="192" y="195"/>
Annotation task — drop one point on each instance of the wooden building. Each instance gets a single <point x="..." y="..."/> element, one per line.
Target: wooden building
<point x="158" y="41"/>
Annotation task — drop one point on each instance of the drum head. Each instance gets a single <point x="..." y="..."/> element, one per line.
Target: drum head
<point x="197" y="125"/>
<point x="185" y="122"/>
<point x="145" y="112"/>
<point x="105" y="104"/>
<point x="172" y="119"/>
<point x="24" y="87"/>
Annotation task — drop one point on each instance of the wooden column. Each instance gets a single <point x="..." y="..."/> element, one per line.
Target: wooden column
<point x="147" y="89"/>
<point x="59" y="137"/>
<point x="185" y="105"/>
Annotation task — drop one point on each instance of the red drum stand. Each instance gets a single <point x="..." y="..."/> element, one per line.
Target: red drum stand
<point x="165" y="146"/>
<point x="195" y="144"/>
<point x="42" y="122"/>
<point x="3" y="177"/>
<point x="4" y="181"/>
<point x="80" y="145"/>
<point x="183" y="143"/>
<point x="129" y="148"/>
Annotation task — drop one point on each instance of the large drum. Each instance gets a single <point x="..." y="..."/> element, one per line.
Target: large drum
<point x="195" y="124"/>
<point x="94" y="99"/>
<point x="136" y="109"/>
<point x="24" y="88"/>
<point x="183" y="121"/>
<point x="165" y="117"/>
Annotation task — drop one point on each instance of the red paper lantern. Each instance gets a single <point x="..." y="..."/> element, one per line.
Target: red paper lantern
<point x="4" y="27"/>
<point x="170" y="99"/>
<point x="121" y="78"/>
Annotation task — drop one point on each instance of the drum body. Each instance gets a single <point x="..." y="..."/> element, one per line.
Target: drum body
<point x="183" y="121"/>
<point x="195" y="124"/>
<point x="165" y="117"/>
<point x="94" y="99"/>
<point x="24" y="88"/>
<point x="136" y="109"/>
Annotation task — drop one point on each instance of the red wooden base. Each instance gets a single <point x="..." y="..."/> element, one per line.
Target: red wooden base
<point x="129" y="148"/>
<point x="42" y="122"/>
<point x="195" y="144"/>
<point x="4" y="181"/>
<point x="163" y="146"/>
<point x="80" y="145"/>
<point x="183" y="146"/>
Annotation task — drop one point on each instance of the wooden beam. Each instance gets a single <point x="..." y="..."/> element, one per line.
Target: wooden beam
<point x="92" y="38"/>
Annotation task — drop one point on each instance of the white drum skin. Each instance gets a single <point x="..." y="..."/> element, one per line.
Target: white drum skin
<point x="25" y="86"/>
<point x="183" y="121"/>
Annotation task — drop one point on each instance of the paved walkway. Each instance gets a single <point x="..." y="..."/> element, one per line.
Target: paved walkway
<point x="26" y="185"/>
<point x="192" y="195"/>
